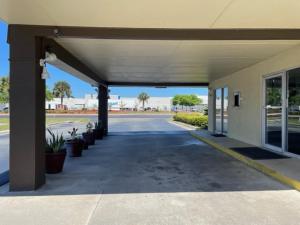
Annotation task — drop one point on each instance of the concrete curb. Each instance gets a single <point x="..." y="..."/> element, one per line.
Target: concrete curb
<point x="109" y="114"/>
<point x="182" y="125"/>
<point x="65" y="122"/>
<point x="5" y="132"/>
<point x="252" y="163"/>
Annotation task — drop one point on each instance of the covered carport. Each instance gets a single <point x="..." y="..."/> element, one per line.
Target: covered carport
<point x="108" y="43"/>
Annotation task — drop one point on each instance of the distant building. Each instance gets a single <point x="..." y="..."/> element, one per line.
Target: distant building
<point x="117" y="103"/>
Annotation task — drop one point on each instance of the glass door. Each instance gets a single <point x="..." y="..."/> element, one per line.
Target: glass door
<point x="218" y="111"/>
<point x="221" y="109"/>
<point x="225" y="110"/>
<point x="293" y="111"/>
<point x="273" y="111"/>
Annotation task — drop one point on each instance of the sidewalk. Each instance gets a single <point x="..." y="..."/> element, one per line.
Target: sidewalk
<point x="282" y="168"/>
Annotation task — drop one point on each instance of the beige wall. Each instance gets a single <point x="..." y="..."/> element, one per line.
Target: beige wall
<point x="245" y="121"/>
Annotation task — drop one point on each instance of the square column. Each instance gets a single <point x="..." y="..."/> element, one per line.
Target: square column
<point x="27" y="112"/>
<point x="103" y="107"/>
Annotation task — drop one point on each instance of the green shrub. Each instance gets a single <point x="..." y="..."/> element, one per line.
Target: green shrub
<point x="195" y="119"/>
<point x="55" y="143"/>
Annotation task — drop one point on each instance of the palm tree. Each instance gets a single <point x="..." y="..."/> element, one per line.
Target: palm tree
<point x="61" y="90"/>
<point x="49" y="95"/>
<point x="4" y="87"/>
<point x="143" y="97"/>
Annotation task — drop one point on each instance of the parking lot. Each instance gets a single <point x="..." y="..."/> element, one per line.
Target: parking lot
<point x="149" y="171"/>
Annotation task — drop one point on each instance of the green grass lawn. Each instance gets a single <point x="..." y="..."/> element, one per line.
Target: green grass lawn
<point x="4" y="122"/>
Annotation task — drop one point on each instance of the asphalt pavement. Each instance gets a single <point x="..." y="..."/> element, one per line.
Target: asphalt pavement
<point x="119" y="124"/>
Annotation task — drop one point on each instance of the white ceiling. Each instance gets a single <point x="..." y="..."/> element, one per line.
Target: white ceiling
<point x="154" y="13"/>
<point x="158" y="61"/>
<point x="162" y="61"/>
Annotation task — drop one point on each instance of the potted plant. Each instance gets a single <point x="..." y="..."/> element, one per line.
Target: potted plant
<point x="85" y="144"/>
<point x="88" y="136"/>
<point x="98" y="131"/>
<point x="55" y="153"/>
<point x="74" y="145"/>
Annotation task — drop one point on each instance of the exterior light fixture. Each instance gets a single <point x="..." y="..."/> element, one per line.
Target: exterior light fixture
<point x="45" y="75"/>
<point x="50" y="58"/>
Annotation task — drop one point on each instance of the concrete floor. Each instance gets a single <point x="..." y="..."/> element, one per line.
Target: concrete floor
<point x="159" y="177"/>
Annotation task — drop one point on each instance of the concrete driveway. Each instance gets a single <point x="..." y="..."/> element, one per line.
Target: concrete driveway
<point x="158" y="177"/>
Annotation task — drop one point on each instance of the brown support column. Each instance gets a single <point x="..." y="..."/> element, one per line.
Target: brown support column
<point x="103" y="107"/>
<point x="27" y="112"/>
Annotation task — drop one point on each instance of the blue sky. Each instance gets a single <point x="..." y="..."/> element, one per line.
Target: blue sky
<point x="3" y="50"/>
<point x="79" y="88"/>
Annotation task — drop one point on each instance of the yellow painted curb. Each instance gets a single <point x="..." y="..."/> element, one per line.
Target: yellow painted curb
<point x="252" y="163"/>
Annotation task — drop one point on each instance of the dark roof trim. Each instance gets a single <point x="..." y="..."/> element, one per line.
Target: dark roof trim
<point x="162" y="33"/>
<point x="65" y="56"/>
<point x="49" y="44"/>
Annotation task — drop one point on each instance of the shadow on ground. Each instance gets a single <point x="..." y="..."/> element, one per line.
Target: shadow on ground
<point x="152" y="162"/>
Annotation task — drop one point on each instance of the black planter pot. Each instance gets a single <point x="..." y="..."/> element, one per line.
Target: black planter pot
<point x="74" y="148"/>
<point x="89" y="138"/>
<point x="55" y="161"/>
<point x="98" y="134"/>
<point x="85" y="145"/>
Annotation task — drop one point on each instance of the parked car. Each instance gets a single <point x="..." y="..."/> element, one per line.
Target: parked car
<point x="4" y="107"/>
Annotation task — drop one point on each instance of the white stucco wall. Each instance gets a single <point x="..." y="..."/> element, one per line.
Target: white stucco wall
<point x="245" y="122"/>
